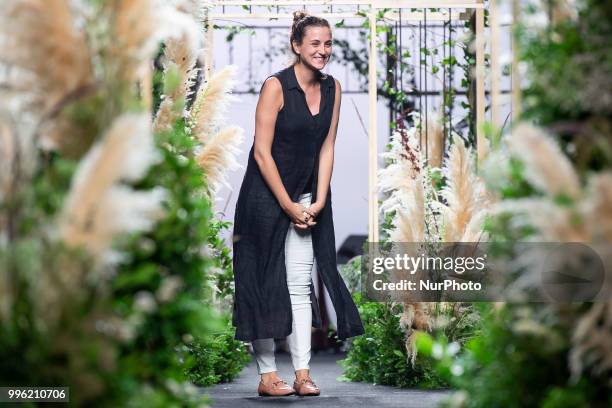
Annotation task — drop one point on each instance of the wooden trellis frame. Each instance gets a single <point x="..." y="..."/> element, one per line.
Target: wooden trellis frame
<point x="371" y="8"/>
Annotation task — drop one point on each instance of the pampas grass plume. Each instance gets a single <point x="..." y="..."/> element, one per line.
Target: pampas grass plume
<point x="211" y="102"/>
<point x="546" y="167"/>
<point x="219" y="155"/>
<point x="98" y="207"/>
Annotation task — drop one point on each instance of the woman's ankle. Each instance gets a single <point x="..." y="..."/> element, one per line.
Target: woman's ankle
<point x="269" y="376"/>
<point x="302" y="373"/>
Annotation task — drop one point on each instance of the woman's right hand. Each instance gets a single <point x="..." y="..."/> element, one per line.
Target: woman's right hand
<point x="299" y="216"/>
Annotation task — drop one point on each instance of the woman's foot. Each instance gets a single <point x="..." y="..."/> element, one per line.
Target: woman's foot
<point x="303" y="384"/>
<point x="272" y="385"/>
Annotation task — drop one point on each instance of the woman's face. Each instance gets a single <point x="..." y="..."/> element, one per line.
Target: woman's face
<point x="316" y="47"/>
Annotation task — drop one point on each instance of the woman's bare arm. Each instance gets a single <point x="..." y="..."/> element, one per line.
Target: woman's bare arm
<point x="268" y="106"/>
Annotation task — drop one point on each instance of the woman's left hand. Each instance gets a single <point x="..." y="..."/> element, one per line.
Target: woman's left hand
<point x="314" y="209"/>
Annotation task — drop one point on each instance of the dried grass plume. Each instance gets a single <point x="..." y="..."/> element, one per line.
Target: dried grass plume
<point x="211" y="103"/>
<point x="98" y="207"/>
<point x="546" y="167"/>
<point x="219" y="155"/>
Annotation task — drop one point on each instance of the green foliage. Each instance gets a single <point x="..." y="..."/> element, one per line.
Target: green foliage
<point x="121" y="333"/>
<point x="208" y="352"/>
<point x="46" y="195"/>
<point x="223" y="280"/>
<point x="40" y="346"/>
<point x="520" y="356"/>
<point x="137" y="341"/>
<point x="379" y="356"/>
<point x="167" y="264"/>
<point x="574" y="396"/>
<point x="351" y="273"/>
<point x="457" y="322"/>
<point x="569" y="65"/>
<point x="514" y="362"/>
<point x="233" y="30"/>
<point x="387" y="225"/>
<point x="217" y="357"/>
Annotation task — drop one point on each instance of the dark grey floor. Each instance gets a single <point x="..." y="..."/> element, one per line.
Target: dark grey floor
<point x="324" y="370"/>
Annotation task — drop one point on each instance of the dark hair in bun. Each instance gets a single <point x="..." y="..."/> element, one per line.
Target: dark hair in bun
<point x="302" y="20"/>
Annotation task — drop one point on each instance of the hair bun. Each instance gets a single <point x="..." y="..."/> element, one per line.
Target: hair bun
<point x="298" y="15"/>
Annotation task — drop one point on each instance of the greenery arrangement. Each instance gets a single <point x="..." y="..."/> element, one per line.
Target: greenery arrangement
<point x="217" y="357"/>
<point x="386" y="354"/>
<point x="429" y="199"/>
<point x="420" y="208"/>
<point x="380" y="355"/>
<point x="501" y="360"/>
<point x="112" y="266"/>
<point x="551" y="354"/>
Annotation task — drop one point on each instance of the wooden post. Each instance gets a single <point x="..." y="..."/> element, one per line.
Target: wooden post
<point x="146" y="87"/>
<point x="372" y="135"/>
<point x="495" y="72"/>
<point x="208" y="46"/>
<point x="516" y="79"/>
<point x="481" y="146"/>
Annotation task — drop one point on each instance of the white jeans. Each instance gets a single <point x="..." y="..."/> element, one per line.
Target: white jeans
<point x="299" y="259"/>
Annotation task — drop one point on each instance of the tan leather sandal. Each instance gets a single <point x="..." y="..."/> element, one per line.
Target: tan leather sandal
<point x="274" y="389"/>
<point x="306" y="387"/>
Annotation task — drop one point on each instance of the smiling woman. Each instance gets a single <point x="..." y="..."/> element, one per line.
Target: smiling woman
<point x="310" y="40"/>
<point x="283" y="222"/>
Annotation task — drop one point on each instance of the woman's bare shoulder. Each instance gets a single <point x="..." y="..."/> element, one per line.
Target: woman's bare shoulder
<point x="272" y="93"/>
<point x="272" y="85"/>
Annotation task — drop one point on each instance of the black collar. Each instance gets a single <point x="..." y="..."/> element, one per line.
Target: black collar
<point x="292" y="81"/>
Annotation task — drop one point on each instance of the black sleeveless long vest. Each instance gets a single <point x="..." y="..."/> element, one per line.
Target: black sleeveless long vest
<point x="262" y="306"/>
